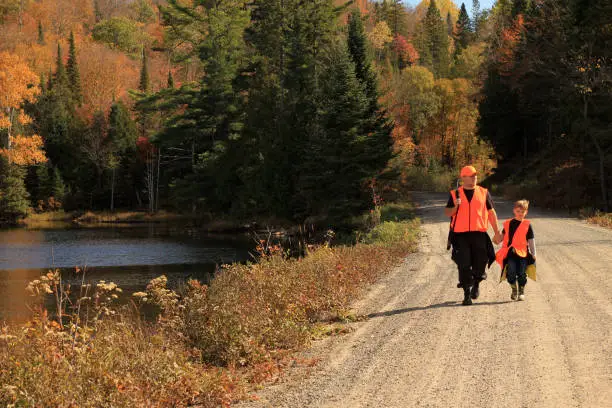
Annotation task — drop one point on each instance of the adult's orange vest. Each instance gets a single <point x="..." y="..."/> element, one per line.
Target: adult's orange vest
<point x="472" y="216"/>
<point x="519" y="242"/>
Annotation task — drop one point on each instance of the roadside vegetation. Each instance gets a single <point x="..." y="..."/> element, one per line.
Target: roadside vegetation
<point x="599" y="218"/>
<point x="210" y="344"/>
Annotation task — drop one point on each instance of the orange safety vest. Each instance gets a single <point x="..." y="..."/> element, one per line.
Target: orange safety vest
<point x="519" y="242"/>
<point x="472" y="216"/>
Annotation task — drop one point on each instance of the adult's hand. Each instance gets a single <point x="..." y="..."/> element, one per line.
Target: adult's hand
<point x="498" y="238"/>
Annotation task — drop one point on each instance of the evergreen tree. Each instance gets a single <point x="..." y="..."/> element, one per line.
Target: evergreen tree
<point x="475" y="16"/>
<point x="170" y="83"/>
<point x="143" y="83"/>
<point x="520" y="7"/>
<point x="41" y="34"/>
<point x="378" y="144"/>
<point x="54" y="113"/>
<point x="58" y="189"/>
<point x="267" y="123"/>
<point x="13" y="194"/>
<point x="41" y="190"/>
<point x="60" y="79"/>
<point x="143" y="87"/>
<point x="208" y="130"/>
<point x="332" y="179"/>
<point x="72" y="70"/>
<point x="122" y="136"/>
<point x="463" y="30"/>
<point x="394" y="13"/>
<point x="433" y="42"/>
<point x="449" y="24"/>
<point x="122" y="132"/>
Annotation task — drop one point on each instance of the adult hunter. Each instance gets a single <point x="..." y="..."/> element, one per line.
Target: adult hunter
<point x="471" y="209"/>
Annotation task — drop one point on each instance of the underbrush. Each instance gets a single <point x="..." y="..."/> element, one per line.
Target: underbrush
<point x="552" y="180"/>
<point x="425" y="179"/>
<point x="208" y="345"/>
<point x="598" y="218"/>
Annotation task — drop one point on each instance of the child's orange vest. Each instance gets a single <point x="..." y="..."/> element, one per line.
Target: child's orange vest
<point x="472" y="216"/>
<point x="519" y="242"/>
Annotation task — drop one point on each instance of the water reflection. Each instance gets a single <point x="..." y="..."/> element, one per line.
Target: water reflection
<point x="129" y="257"/>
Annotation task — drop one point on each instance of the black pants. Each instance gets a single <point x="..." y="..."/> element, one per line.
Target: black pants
<point x="471" y="257"/>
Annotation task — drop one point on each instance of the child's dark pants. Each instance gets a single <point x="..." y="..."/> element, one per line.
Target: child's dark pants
<point x="517" y="268"/>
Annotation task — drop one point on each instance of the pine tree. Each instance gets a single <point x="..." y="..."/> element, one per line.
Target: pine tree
<point x="143" y="84"/>
<point x="41" y="34"/>
<point x="312" y="33"/>
<point x="57" y="122"/>
<point x="449" y="24"/>
<point x="266" y="132"/>
<point x="475" y="16"/>
<point x="41" y="191"/>
<point x="212" y="125"/>
<point x="122" y="132"/>
<point x="433" y="42"/>
<point x="398" y="18"/>
<point x="122" y="135"/>
<point x="463" y="31"/>
<point x="333" y="177"/>
<point x="13" y="194"/>
<point x="60" y="79"/>
<point x="72" y="70"/>
<point x="143" y="87"/>
<point x="170" y="83"/>
<point x="520" y="7"/>
<point x="58" y="189"/>
<point x="378" y="145"/>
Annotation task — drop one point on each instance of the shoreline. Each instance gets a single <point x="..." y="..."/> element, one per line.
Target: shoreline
<point x="212" y="344"/>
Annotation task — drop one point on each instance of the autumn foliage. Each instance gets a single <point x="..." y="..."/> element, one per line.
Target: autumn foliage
<point x="18" y="85"/>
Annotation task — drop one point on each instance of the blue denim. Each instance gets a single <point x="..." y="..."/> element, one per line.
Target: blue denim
<point x="517" y="268"/>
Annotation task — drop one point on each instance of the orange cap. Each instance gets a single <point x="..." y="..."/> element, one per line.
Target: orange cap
<point x="468" y="171"/>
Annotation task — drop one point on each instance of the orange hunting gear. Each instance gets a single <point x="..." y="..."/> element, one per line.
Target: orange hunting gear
<point x="468" y="171"/>
<point x="519" y="242"/>
<point x="472" y="216"/>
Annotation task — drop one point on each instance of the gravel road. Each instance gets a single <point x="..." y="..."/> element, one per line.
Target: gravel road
<point x="420" y="348"/>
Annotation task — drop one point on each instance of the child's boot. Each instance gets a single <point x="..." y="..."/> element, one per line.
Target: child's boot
<point x="514" y="294"/>
<point x="521" y="293"/>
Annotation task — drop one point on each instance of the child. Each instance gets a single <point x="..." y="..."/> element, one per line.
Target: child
<point x="518" y="249"/>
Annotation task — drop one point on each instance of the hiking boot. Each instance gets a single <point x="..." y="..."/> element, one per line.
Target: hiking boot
<point x="475" y="291"/>
<point x="521" y="293"/>
<point x="514" y="295"/>
<point x="467" y="300"/>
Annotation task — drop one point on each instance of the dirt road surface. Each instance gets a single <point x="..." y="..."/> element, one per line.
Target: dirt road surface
<point x="420" y="348"/>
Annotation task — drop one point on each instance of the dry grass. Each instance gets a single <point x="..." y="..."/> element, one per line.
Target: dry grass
<point x="600" y="218"/>
<point x="206" y="346"/>
<point x="127" y="217"/>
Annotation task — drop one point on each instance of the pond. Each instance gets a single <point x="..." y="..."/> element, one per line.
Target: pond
<point x="129" y="256"/>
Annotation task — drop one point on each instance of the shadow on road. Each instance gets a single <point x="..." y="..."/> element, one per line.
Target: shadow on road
<point x="436" y="306"/>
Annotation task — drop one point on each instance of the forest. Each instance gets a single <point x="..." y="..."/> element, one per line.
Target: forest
<point x="299" y="110"/>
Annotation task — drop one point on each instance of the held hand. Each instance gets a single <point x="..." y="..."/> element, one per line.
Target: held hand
<point x="457" y="202"/>
<point x="498" y="238"/>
